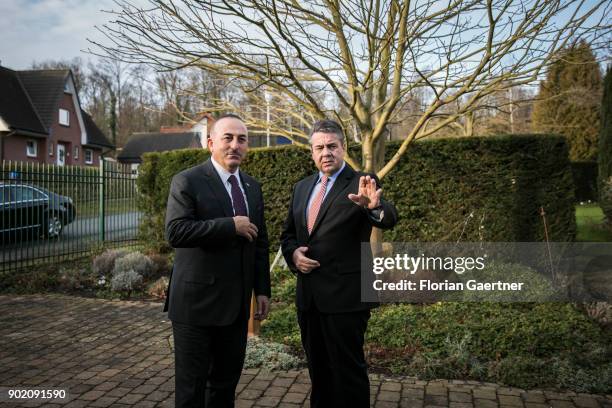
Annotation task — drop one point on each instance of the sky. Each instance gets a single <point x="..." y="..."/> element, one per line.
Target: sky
<point x="41" y="30"/>
<point x="49" y="29"/>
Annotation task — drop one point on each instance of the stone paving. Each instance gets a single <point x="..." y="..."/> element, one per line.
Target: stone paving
<point x="118" y="354"/>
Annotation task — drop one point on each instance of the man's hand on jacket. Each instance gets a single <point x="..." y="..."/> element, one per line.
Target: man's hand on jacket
<point x="245" y="228"/>
<point x="302" y="262"/>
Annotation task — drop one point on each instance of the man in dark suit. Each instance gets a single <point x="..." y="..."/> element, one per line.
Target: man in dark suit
<point x="215" y="220"/>
<point x="330" y="215"/>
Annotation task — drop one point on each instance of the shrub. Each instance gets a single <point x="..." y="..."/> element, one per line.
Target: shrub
<point x="500" y="181"/>
<point x="71" y="278"/>
<point x="600" y="312"/>
<point x="537" y="288"/>
<point x="158" y="288"/>
<point x="161" y="266"/>
<point x="136" y="262"/>
<point x="279" y="275"/>
<point x="281" y="326"/>
<point x="572" y="376"/>
<point x="519" y="344"/>
<point x="522" y="371"/>
<point x="104" y="263"/>
<point x="454" y="361"/>
<point x="269" y="356"/>
<point x="389" y="325"/>
<point x="126" y="281"/>
<point x="284" y="291"/>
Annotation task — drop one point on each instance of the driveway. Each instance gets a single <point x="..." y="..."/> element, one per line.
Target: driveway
<point x="118" y="354"/>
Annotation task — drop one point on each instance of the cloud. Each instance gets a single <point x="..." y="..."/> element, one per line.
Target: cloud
<point x="49" y="29"/>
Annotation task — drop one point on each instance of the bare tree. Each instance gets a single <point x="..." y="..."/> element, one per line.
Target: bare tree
<point x="357" y="61"/>
<point x="507" y="111"/>
<point x="76" y="65"/>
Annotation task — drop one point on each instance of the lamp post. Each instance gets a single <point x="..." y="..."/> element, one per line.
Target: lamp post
<point x="267" y="96"/>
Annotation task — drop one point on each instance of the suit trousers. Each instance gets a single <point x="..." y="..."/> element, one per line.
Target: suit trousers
<point x="208" y="363"/>
<point x="334" y="347"/>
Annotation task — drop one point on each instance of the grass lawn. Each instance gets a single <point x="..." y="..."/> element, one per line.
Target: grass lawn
<point x="590" y="224"/>
<point x="114" y="206"/>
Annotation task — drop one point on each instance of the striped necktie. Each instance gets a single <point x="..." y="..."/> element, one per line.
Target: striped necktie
<point x="315" y="206"/>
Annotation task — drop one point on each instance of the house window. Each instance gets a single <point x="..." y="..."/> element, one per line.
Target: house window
<point x="76" y="152"/>
<point x="64" y="117"/>
<point x="50" y="148"/>
<point x="31" y="148"/>
<point x="67" y="87"/>
<point x="88" y="156"/>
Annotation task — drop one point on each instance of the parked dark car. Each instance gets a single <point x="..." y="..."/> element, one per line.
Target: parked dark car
<point x="27" y="210"/>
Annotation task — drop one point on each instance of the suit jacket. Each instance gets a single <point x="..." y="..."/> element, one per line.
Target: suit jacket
<point x="340" y="228"/>
<point x="215" y="270"/>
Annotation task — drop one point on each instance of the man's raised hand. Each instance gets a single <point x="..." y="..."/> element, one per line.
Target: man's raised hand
<point x="367" y="196"/>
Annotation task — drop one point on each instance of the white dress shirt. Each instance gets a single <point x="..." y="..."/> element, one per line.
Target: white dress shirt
<point x="225" y="175"/>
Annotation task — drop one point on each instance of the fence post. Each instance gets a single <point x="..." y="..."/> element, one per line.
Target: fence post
<point x="254" y="326"/>
<point x="101" y="199"/>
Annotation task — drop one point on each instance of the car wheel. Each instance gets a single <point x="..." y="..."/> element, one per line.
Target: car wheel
<point x="54" y="226"/>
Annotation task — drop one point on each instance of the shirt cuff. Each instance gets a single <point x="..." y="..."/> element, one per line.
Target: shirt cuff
<point x="376" y="214"/>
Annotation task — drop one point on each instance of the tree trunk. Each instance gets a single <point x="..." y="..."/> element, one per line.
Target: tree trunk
<point x="469" y="124"/>
<point x="113" y="117"/>
<point x="376" y="238"/>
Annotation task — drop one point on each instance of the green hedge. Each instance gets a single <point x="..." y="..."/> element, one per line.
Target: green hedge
<point x="277" y="169"/>
<point x="466" y="189"/>
<point x="485" y="188"/>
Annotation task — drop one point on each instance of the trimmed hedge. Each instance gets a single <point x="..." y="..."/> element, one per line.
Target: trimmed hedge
<point x="469" y="189"/>
<point x="485" y="188"/>
<point x="278" y="169"/>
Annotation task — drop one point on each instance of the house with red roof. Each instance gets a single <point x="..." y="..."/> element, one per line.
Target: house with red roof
<point x="41" y="120"/>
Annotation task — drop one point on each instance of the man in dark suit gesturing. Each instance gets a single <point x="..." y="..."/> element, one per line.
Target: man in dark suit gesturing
<point x="215" y="221"/>
<point x="330" y="215"/>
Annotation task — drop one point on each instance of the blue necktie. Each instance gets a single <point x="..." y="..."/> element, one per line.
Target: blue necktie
<point x="237" y="197"/>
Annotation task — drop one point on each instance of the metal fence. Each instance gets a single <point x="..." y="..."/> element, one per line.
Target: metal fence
<point x="52" y="213"/>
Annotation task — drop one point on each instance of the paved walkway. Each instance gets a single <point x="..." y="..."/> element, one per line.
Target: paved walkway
<point x="118" y="354"/>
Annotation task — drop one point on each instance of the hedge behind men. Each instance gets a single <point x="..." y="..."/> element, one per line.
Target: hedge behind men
<point x="330" y="215"/>
<point x="215" y="221"/>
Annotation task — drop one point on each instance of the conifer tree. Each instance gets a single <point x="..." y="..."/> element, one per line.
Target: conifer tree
<point x="569" y="100"/>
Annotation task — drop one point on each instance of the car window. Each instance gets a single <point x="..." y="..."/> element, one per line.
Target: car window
<point x="37" y="194"/>
<point x="11" y="193"/>
<point x="22" y="193"/>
